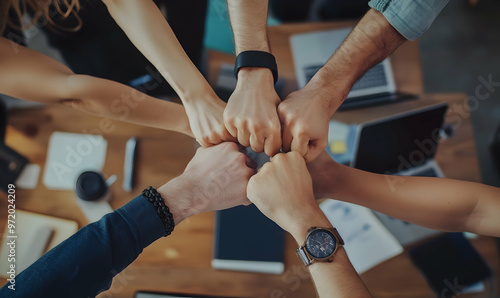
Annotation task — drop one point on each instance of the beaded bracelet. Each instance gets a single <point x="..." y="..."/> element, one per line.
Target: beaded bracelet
<point x="157" y="202"/>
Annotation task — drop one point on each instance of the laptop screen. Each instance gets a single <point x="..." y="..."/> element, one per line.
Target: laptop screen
<point x="400" y="142"/>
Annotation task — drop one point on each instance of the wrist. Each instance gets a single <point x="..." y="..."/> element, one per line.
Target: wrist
<point x="309" y="216"/>
<point x="201" y="93"/>
<point x="260" y="75"/>
<point x="177" y="197"/>
<point x="329" y="89"/>
<point x="323" y="173"/>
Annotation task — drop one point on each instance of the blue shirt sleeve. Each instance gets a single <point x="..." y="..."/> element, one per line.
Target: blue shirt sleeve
<point x="85" y="264"/>
<point x="411" y="18"/>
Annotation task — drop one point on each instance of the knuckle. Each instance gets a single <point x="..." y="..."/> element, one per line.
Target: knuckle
<point x="240" y="122"/>
<point x="212" y="135"/>
<point x="231" y="146"/>
<point x="205" y="141"/>
<point x="227" y="115"/>
<point x="302" y="132"/>
<point x="282" y="111"/>
<point x="282" y="107"/>
<point x="251" y="122"/>
<point x="240" y="157"/>
<point x="323" y="143"/>
<point x="257" y="148"/>
<point x="291" y="119"/>
<point x="243" y="141"/>
<point x="264" y="169"/>
<point x="228" y="122"/>
<point x="274" y="126"/>
<point x="270" y="151"/>
<point x="279" y="157"/>
<point x="294" y="155"/>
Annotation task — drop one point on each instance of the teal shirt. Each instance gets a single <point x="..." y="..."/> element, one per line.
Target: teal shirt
<point x="411" y="18"/>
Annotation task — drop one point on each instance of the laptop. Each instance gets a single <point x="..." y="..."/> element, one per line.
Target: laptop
<point x="402" y="144"/>
<point x="312" y="50"/>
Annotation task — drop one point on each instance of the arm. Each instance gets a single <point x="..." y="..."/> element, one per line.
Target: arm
<point x="305" y="113"/>
<point x="437" y="203"/>
<point x="148" y="30"/>
<point x="29" y="75"/>
<point x="289" y="201"/>
<point x="85" y="264"/>
<point x="251" y="114"/>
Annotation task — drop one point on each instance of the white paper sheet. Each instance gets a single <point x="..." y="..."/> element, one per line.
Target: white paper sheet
<point x="367" y="241"/>
<point x="71" y="154"/>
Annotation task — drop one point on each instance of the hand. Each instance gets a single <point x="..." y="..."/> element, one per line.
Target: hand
<point x="282" y="190"/>
<point x="215" y="179"/>
<point x="206" y="122"/>
<point x="305" y="118"/>
<point x="325" y="175"/>
<point x="251" y="114"/>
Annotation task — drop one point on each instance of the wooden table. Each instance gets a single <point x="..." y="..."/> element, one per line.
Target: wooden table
<point x="181" y="263"/>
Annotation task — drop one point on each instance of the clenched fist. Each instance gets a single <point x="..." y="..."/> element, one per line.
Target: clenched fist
<point x="250" y="115"/>
<point x="283" y="191"/>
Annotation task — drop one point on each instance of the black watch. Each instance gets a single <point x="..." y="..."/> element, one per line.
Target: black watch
<point x="256" y="59"/>
<point x="320" y="245"/>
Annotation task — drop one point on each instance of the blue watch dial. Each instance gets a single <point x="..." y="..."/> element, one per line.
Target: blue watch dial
<point x="321" y="244"/>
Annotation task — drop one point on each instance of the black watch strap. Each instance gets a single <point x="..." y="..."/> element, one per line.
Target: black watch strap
<point x="256" y="59"/>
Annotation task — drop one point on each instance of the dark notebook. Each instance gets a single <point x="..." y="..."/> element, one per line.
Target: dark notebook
<point x="450" y="264"/>
<point x="246" y="240"/>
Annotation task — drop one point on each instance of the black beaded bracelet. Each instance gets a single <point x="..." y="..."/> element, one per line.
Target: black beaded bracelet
<point x="157" y="202"/>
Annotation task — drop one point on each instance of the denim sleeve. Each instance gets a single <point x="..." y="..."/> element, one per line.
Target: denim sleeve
<point x="85" y="264"/>
<point x="411" y="18"/>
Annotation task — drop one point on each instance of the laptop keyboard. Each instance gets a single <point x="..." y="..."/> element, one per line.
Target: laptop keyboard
<point x="426" y="173"/>
<point x="374" y="77"/>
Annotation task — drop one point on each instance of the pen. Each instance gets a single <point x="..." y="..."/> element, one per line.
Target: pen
<point x="128" y="169"/>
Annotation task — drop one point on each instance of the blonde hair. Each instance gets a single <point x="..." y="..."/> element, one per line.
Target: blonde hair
<point x="42" y="12"/>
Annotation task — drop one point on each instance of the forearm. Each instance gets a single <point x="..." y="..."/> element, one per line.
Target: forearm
<point x="119" y="102"/>
<point x="148" y="30"/>
<point x="29" y="75"/>
<point x="85" y="264"/>
<point x="338" y="278"/>
<point x="437" y="203"/>
<point x="248" y="20"/>
<point x="372" y="40"/>
<point x="249" y="24"/>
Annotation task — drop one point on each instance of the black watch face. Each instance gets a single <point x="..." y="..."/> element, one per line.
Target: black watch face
<point x="321" y="244"/>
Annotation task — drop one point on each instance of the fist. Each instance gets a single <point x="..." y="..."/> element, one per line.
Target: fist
<point x="217" y="177"/>
<point x="305" y="120"/>
<point x="251" y="116"/>
<point x="205" y="121"/>
<point x="282" y="190"/>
